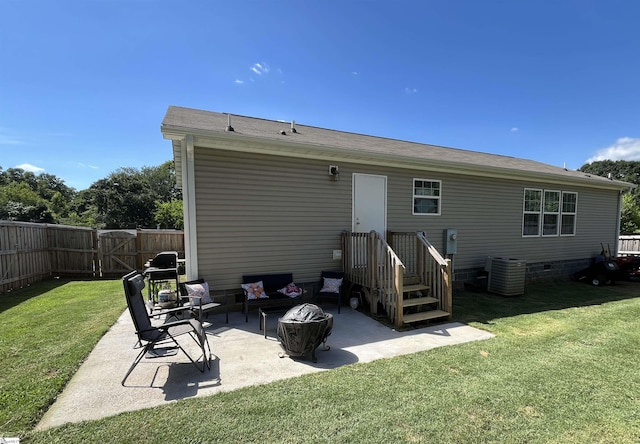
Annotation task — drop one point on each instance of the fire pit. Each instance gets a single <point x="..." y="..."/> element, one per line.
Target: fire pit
<point x="303" y="328"/>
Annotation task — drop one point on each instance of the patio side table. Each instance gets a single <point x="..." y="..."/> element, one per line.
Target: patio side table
<point x="263" y="314"/>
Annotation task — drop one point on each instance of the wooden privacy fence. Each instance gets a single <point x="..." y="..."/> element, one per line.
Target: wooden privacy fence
<point x="24" y="254"/>
<point x="119" y="252"/>
<point x="629" y="245"/>
<point x="32" y="252"/>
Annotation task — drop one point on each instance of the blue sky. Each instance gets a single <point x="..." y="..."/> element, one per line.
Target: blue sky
<point x="84" y="85"/>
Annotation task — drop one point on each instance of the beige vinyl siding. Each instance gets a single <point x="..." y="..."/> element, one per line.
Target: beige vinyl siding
<point x="258" y="213"/>
<point x="488" y="216"/>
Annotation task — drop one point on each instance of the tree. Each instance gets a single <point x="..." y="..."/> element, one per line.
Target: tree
<point x="30" y="198"/>
<point x="47" y="185"/>
<point x="27" y="213"/>
<point x="630" y="216"/>
<point x="625" y="170"/>
<point x="19" y="202"/>
<point x="59" y="204"/>
<point x="127" y="198"/>
<point x="628" y="171"/>
<point x="169" y="214"/>
<point x="123" y="200"/>
<point x="81" y="211"/>
<point x="162" y="180"/>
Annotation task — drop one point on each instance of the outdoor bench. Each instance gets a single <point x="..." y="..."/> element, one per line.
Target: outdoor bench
<point x="271" y="283"/>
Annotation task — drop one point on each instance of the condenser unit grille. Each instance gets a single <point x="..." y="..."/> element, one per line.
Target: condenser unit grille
<point x="506" y="276"/>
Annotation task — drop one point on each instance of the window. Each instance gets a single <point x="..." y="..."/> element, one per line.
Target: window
<point x="532" y="209"/>
<point x="426" y="196"/>
<point x="551" y="213"/>
<point x="569" y="209"/>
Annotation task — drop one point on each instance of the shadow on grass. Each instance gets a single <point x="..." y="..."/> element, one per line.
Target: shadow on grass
<point x="16" y="297"/>
<point x="469" y="306"/>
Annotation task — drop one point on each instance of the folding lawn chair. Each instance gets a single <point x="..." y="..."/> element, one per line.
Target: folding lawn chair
<point x="161" y="336"/>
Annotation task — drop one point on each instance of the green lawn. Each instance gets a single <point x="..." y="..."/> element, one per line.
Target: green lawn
<point x="47" y="331"/>
<point x="563" y="369"/>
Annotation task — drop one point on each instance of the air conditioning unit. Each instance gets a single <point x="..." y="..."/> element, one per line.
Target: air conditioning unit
<point x="506" y="276"/>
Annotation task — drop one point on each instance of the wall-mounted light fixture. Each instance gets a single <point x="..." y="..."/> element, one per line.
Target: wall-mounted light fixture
<point x="334" y="172"/>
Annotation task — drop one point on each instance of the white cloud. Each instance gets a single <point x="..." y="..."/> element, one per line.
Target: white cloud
<point x="355" y="73"/>
<point x="93" y="167"/>
<point x="29" y="167"/>
<point x="625" y="148"/>
<point x="260" y="68"/>
<point x="515" y="129"/>
<point x="238" y="82"/>
<point x="410" y="90"/>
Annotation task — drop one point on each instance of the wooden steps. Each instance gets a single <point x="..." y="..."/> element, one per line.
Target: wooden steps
<point x="414" y="287"/>
<point x="416" y="305"/>
<point x="424" y="316"/>
<point x="418" y="301"/>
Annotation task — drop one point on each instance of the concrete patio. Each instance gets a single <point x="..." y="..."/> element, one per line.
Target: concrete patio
<point x="241" y="357"/>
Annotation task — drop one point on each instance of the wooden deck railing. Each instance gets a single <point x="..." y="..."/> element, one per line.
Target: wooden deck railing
<point x="370" y="263"/>
<point x="379" y="268"/>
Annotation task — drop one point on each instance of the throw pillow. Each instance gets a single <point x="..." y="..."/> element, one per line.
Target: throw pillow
<point x="199" y="290"/>
<point x="331" y="285"/>
<point x="291" y="290"/>
<point x="255" y="290"/>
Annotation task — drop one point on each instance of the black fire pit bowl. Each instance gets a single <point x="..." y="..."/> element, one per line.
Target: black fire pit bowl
<point x="303" y="328"/>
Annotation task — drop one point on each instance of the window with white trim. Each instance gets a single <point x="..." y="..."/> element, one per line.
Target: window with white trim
<point x="532" y="208"/>
<point x="426" y="196"/>
<point x="569" y="213"/>
<point x="549" y="213"/>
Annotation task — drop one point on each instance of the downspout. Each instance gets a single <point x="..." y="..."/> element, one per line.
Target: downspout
<point x="189" y="208"/>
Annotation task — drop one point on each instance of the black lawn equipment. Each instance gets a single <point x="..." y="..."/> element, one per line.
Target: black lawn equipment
<point x="606" y="269"/>
<point x="629" y="267"/>
<point x="603" y="271"/>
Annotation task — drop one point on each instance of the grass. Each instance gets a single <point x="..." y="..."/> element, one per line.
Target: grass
<point x="47" y="331"/>
<point x="562" y="369"/>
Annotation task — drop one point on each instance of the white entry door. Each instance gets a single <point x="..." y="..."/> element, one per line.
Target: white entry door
<point x="369" y="203"/>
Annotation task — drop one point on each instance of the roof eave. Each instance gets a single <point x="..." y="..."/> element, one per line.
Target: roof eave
<point x="233" y="141"/>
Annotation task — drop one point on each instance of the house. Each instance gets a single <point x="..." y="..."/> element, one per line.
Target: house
<point x="271" y="196"/>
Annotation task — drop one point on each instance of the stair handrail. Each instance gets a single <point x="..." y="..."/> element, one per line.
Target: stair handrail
<point x="370" y="262"/>
<point x="433" y="251"/>
<point x="391" y="282"/>
<point x="438" y="275"/>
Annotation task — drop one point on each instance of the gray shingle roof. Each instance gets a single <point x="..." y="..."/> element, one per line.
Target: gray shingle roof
<point x="207" y="123"/>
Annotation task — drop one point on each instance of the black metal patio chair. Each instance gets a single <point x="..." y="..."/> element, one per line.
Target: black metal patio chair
<point x="331" y="285"/>
<point x="162" y="336"/>
<point x="201" y="306"/>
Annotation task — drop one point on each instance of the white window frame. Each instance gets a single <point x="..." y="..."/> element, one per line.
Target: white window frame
<point x="437" y="199"/>
<point x="556" y="213"/>
<point x="573" y="213"/>
<point x="526" y="212"/>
